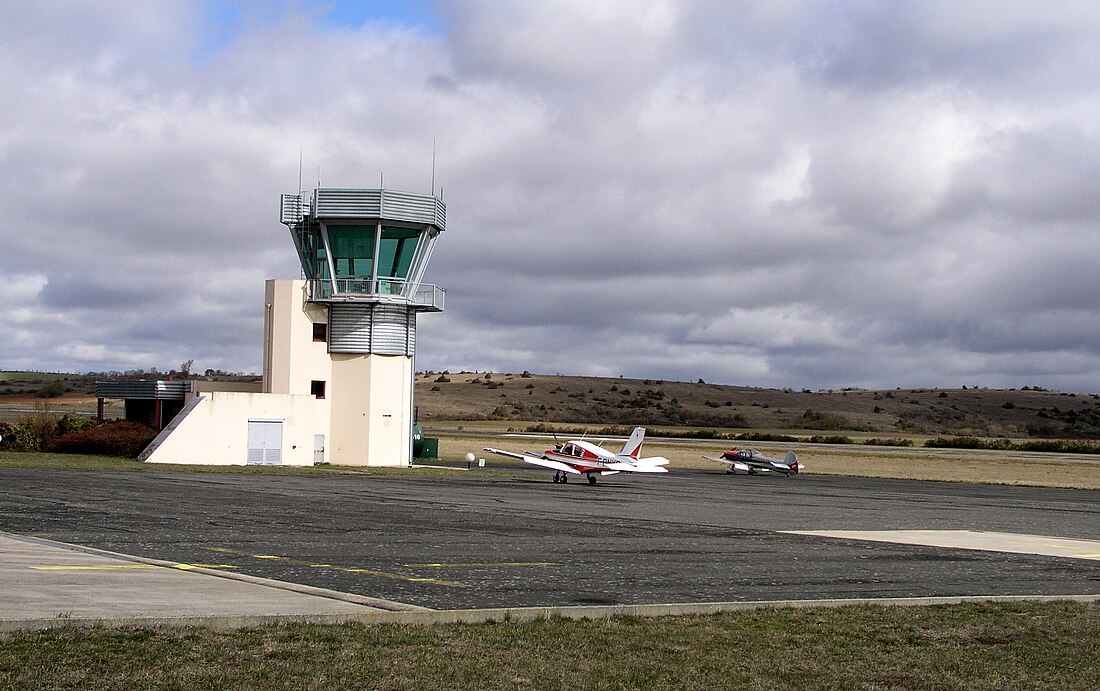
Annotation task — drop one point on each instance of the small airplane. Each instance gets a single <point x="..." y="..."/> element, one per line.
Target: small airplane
<point x="752" y="462"/>
<point x="580" y="457"/>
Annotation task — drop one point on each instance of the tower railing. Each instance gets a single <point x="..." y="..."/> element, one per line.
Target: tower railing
<point x="424" y="296"/>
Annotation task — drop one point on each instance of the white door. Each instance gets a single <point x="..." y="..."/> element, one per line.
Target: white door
<point x="265" y="442"/>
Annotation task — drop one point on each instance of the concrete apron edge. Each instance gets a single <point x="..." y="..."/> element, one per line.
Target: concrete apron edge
<point x="378" y="603"/>
<point x="517" y="614"/>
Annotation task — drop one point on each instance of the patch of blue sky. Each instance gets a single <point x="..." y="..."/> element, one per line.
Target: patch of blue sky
<point x="419" y="14"/>
<point x="223" y="21"/>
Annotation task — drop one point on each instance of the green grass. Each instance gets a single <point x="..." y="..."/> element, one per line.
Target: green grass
<point x="63" y="461"/>
<point x="35" y="376"/>
<point x="970" y="646"/>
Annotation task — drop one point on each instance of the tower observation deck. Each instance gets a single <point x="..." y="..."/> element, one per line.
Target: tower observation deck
<point x="368" y="245"/>
<point x="363" y="254"/>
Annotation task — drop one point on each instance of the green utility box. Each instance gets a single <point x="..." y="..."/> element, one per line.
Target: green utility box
<point x="424" y="447"/>
<point x="429" y="448"/>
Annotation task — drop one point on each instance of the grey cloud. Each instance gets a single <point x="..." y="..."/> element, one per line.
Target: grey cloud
<point x="779" y="194"/>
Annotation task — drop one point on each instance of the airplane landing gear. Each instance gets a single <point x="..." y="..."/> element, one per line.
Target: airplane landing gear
<point x="560" y="476"/>
<point x="591" y="479"/>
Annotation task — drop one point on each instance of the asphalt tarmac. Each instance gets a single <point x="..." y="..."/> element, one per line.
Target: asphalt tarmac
<point x="472" y="540"/>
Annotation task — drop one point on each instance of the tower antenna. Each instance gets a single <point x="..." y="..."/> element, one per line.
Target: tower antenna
<point x="433" y="166"/>
<point x="300" y="150"/>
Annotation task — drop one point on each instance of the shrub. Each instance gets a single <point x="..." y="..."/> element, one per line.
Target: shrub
<point x="54" y="389"/>
<point x="67" y="424"/>
<point x="34" y="432"/>
<point x="829" y="439"/>
<point x="888" y="442"/>
<point x="122" y="438"/>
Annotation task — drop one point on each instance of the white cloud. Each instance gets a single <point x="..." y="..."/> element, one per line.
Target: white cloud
<point x="777" y="194"/>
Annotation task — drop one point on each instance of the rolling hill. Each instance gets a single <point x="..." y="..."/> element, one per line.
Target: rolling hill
<point x="527" y="397"/>
<point x="533" y="398"/>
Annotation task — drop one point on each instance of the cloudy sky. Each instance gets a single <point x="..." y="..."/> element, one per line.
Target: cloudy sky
<point x="780" y="194"/>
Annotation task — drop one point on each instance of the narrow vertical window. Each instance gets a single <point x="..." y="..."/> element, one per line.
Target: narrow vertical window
<point x="320" y="333"/>
<point x="317" y="388"/>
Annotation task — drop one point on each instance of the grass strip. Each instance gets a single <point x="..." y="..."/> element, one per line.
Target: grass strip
<point x="972" y="646"/>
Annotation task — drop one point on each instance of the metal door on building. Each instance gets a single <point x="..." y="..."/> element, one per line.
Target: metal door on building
<point x="265" y="442"/>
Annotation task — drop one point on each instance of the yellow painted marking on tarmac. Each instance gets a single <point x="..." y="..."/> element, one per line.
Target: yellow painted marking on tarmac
<point x="126" y="567"/>
<point x="399" y="577"/>
<point x="96" y="567"/>
<point x="1087" y="556"/>
<point x="369" y="572"/>
<point x="480" y="565"/>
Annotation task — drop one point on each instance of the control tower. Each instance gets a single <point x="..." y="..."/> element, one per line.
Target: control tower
<point x="346" y="334"/>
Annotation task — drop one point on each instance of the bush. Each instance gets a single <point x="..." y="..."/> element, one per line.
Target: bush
<point x="54" y="389"/>
<point x="67" y="424"/>
<point x="34" y="432"/>
<point x="122" y="438"/>
<point x="888" y="442"/>
<point x="829" y="439"/>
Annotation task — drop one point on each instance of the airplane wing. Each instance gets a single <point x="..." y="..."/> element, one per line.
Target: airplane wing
<point x="510" y="454"/>
<point x="736" y="465"/>
<point x="536" y="460"/>
<point x="553" y="465"/>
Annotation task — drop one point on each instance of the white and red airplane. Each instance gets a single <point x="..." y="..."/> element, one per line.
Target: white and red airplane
<point x="580" y="457"/>
<point x="752" y="462"/>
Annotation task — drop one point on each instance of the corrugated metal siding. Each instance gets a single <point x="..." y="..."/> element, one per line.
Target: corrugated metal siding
<point x="391" y="330"/>
<point x="349" y="328"/>
<point x="377" y="329"/>
<point x="293" y="209"/>
<point x="390" y="205"/>
<point x="145" y="390"/>
<point x="347" y="203"/>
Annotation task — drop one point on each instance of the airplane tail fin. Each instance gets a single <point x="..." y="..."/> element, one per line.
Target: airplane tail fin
<point x="634" y="445"/>
<point x="791" y="460"/>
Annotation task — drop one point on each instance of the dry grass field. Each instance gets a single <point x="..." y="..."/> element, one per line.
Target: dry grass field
<point x="491" y="396"/>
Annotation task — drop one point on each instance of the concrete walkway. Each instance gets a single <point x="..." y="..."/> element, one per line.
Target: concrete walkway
<point x="47" y="584"/>
<point x="973" y="539"/>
